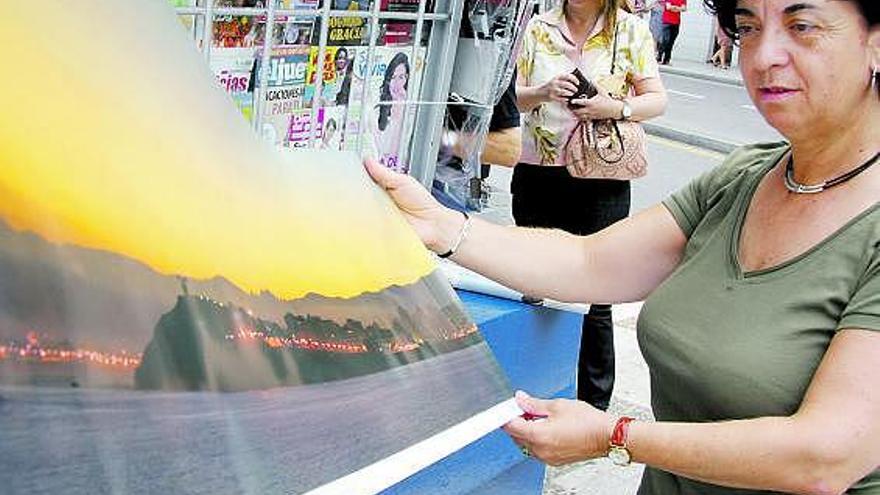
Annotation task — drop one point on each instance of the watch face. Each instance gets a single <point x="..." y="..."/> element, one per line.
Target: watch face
<point x="619" y="456"/>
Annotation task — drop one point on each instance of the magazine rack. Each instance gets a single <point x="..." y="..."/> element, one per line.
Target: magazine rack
<point x="306" y="40"/>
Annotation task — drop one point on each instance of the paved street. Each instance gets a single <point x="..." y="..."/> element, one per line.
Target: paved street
<point x="718" y="110"/>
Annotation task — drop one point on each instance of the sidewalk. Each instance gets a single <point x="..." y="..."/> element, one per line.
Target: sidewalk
<point x="705" y="71"/>
<point x="632" y="395"/>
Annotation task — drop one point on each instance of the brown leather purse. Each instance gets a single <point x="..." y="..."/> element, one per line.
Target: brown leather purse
<point x="607" y="148"/>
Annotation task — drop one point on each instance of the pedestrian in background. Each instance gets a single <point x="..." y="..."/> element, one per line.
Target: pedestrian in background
<point x="672" y="10"/>
<point x="580" y="34"/>
<point x="721" y="57"/>
<point x="656" y="23"/>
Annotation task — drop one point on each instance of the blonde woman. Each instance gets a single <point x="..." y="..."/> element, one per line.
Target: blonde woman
<point x="581" y="34"/>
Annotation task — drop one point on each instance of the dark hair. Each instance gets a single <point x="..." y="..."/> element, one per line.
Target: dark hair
<point x="725" y="12"/>
<point x="345" y="88"/>
<point x="385" y="94"/>
<point x="341" y="52"/>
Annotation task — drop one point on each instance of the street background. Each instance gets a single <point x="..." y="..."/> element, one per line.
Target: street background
<point x="709" y="114"/>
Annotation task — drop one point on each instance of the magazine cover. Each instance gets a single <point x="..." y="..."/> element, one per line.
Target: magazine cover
<point x="395" y="32"/>
<point x="328" y="128"/>
<point x="337" y="74"/>
<point x="185" y="308"/>
<point x="295" y="32"/>
<point x="299" y="4"/>
<point x="285" y="87"/>
<point x="234" y="31"/>
<point x="233" y="69"/>
<point x="378" y="93"/>
<point x="402" y="6"/>
<point x="348" y="31"/>
<point x="398" y="33"/>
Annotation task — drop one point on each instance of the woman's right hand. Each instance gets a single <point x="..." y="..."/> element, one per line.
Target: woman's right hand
<point x="435" y="224"/>
<point x="569" y="431"/>
<point x="560" y="88"/>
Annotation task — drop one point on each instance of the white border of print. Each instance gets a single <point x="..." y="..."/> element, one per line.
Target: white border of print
<point x="397" y="467"/>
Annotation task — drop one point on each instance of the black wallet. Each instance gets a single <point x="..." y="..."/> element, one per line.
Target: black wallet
<point x="586" y="89"/>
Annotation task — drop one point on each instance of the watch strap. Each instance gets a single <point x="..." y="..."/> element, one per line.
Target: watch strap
<point x="626" y="110"/>
<point x="620" y="432"/>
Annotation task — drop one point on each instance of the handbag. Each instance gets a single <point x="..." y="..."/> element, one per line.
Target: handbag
<point x="607" y="148"/>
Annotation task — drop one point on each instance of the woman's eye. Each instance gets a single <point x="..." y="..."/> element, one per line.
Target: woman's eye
<point x="802" y="27"/>
<point x="744" y="29"/>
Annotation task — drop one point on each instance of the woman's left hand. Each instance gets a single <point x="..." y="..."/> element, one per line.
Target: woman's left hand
<point x="598" y="107"/>
<point x="571" y="431"/>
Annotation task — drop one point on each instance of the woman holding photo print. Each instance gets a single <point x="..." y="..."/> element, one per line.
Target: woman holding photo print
<point x="391" y="112"/>
<point x="761" y="279"/>
<point x="581" y="34"/>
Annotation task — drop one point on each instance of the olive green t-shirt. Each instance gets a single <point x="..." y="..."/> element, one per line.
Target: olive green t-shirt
<point x="722" y="344"/>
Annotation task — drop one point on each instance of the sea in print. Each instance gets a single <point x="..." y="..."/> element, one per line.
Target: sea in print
<point x="281" y="440"/>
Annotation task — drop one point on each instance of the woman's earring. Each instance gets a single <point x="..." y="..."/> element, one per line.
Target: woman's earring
<point x="875" y="77"/>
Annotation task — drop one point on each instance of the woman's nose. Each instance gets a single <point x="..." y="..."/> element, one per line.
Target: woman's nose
<point x="770" y="50"/>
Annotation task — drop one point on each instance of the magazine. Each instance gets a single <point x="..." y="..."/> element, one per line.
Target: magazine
<point x="337" y="74"/>
<point x="328" y="132"/>
<point x="347" y="31"/>
<point x="234" y="31"/>
<point x="283" y="95"/>
<point x="233" y="70"/>
<point x="396" y="32"/>
<point x="379" y="93"/>
<point x="295" y="32"/>
<point x="404" y="6"/>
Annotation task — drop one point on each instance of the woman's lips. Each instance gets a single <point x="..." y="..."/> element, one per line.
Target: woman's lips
<point x="776" y="93"/>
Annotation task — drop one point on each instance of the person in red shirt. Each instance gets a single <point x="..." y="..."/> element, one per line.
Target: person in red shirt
<point x="672" y="10"/>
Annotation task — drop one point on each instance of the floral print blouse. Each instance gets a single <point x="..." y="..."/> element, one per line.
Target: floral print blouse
<point x="547" y="51"/>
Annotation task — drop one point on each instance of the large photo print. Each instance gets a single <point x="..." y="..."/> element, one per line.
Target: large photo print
<point x="185" y="308"/>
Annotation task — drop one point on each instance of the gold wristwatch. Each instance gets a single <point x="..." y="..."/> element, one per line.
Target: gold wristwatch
<point x="617" y="450"/>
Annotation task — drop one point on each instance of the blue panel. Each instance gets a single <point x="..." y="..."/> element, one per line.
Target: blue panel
<point x="537" y="348"/>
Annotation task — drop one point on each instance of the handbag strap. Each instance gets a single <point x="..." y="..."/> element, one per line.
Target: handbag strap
<point x="585" y="131"/>
<point x="577" y="61"/>
<point x="614" y="47"/>
<point x="615" y="128"/>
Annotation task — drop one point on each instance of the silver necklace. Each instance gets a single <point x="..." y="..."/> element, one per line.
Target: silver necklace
<point x="798" y="188"/>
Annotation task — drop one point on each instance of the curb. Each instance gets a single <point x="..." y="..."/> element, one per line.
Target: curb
<point x="691" y="138"/>
<point x="733" y="81"/>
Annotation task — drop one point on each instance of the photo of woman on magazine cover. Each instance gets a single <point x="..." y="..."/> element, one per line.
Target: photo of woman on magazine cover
<point x="391" y="112"/>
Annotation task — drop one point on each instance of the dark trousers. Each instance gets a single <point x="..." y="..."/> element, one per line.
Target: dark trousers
<point x="667" y="41"/>
<point x="551" y="198"/>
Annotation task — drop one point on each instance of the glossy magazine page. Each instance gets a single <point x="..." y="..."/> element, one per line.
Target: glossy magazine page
<point x="185" y="308"/>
